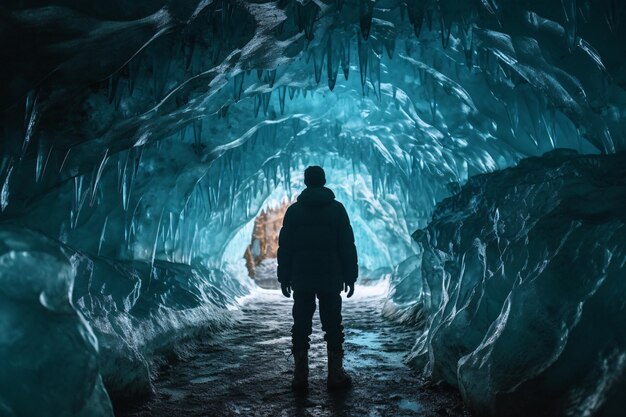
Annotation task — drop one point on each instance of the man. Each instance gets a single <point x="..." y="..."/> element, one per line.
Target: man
<point x="317" y="257"/>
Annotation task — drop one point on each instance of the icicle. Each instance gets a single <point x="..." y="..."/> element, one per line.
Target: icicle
<point x="366" y="12"/>
<point x="197" y="136"/>
<point x="67" y="153"/>
<point x="31" y="116"/>
<point x="121" y="167"/>
<point x="345" y="57"/>
<point x="98" y="175"/>
<point x="78" y="185"/>
<point x="332" y="61"/>
<point x="270" y="77"/>
<point x="104" y="228"/>
<point x="154" y="248"/>
<point x="173" y="225"/>
<point x="570" y="10"/>
<point x="266" y="101"/>
<point x="318" y="62"/>
<point x="363" y="56"/>
<point x="282" y="93"/>
<point x="467" y="38"/>
<point x="429" y="19"/>
<point x="390" y="46"/>
<point x="78" y="201"/>
<point x="127" y="184"/>
<point x="446" y="24"/>
<point x="611" y="15"/>
<point x="5" y="194"/>
<point x="608" y="145"/>
<point x="139" y="154"/>
<point x="292" y="92"/>
<point x="415" y="10"/>
<point x="238" y="84"/>
<point x="306" y="15"/>
<point x="375" y="68"/>
<point x="127" y="189"/>
<point x="43" y="155"/>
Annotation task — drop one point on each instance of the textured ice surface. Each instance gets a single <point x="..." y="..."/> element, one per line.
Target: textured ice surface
<point x="147" y="135"/>
<point x="159" y="130"/>
<point x="405" y="299"/>
<point x="523" y="285"/>
<point x="44" y="341"/>
<point x="70" y="321"/>
<point x="139" y="311"/>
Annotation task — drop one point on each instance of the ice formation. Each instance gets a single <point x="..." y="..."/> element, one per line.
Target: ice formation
<point x="142" y="138"/>
<point x="45" y="343"/>
<point x="522" y="281"/>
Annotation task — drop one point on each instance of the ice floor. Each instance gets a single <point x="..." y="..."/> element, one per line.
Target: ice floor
<point x="246" y="371"/>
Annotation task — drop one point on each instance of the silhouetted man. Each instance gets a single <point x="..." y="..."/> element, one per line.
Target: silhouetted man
<point x="317" y="257"/>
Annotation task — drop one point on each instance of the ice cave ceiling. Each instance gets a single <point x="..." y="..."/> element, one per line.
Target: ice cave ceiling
<point x="147" y="135"/>
<point x="193" y="112"/>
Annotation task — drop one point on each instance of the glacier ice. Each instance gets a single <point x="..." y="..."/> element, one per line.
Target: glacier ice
<point x="107" y="318"/>
<point x="522" y="284"/>
<point x="138" y="310"/>
<point x="38" y="327"/>
<point x="142" y="139"/>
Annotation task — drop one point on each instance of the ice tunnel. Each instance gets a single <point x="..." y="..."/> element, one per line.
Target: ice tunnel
<point x="478" y="147"/>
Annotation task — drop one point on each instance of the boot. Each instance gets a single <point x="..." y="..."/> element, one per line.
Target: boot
<point x="301" y="370"/>
<point x="338" y="378"/>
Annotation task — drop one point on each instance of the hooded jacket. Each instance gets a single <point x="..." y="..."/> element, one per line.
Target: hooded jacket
<point x="316" y="250"/>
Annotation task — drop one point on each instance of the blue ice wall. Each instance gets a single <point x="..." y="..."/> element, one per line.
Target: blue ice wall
<point x="522" y="287"/>
<point x="48" y="352"/>
<point x="145" y="136"/>
<point x="73" y="321"/>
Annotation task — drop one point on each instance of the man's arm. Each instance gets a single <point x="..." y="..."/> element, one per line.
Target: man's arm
<point x="285" y="249"/>
<point x="347" y="249"/>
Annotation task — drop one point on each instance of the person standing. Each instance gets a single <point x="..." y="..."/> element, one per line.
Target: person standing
<point x="317" y="257"/>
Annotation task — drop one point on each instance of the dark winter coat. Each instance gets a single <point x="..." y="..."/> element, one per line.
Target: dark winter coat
<point x="316" y="249"/>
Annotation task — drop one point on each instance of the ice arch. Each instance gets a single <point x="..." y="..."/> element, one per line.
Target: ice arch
<point x="140" y="138"/>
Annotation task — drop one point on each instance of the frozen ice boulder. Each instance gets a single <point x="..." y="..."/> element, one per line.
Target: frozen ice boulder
<point x="142" y="313"/>
<point x="48" y="352"/>
<point x="524" y="275"/>
<point x="404" y="301"/>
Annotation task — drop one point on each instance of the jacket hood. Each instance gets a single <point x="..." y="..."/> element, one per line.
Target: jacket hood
<point x="316" y="196"/>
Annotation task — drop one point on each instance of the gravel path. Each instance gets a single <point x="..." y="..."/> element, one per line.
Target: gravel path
<point x="246" y="371"/>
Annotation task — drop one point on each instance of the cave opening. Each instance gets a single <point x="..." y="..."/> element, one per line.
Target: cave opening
<point x="148" y="152"/>
<point x="261" y="253"/>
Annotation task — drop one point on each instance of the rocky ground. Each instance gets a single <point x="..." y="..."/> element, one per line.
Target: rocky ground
<point x="246" y="371"/>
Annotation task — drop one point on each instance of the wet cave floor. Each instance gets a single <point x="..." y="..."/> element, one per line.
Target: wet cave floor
<point x="246" y="370"/>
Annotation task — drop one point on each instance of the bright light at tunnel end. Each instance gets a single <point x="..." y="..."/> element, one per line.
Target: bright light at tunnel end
<point x="369" y="290"/>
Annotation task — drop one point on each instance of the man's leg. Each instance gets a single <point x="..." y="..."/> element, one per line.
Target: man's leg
<point x="303" y="309"/>
<point x="330" y="316"/>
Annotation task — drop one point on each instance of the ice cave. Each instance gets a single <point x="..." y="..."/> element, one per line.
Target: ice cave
<point x="149" y="148"/>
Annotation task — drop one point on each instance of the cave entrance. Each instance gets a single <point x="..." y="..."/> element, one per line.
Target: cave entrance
<point x="262" y="251"/>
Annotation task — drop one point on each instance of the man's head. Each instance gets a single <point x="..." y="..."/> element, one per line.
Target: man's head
<point x="314" y="176"/>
